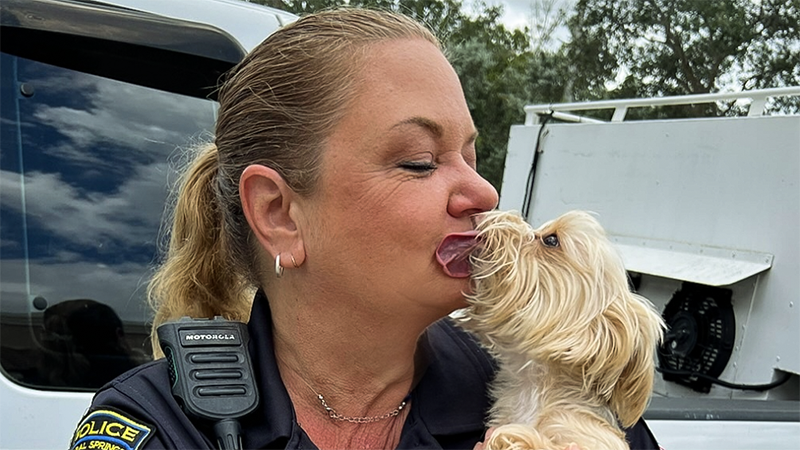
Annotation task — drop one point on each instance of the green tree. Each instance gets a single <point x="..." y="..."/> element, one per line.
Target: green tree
<point x="676" y="47"/>
<point x="493" y="64"/>
<point x="499" y="79"/>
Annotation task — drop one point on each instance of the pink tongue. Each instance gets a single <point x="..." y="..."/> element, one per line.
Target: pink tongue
<point x="453" y="253"/>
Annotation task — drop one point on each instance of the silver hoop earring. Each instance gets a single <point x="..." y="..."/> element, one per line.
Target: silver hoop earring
<point x="278" y="267"/>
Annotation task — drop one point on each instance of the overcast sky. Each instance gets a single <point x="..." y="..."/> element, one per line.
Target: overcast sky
<point x="517" y="13"/>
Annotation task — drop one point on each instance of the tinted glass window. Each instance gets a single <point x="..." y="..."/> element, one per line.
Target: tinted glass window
<point x="84" y="170"/>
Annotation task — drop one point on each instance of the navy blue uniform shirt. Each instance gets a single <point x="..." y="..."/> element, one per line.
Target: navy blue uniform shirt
<point x="447" y="409"/>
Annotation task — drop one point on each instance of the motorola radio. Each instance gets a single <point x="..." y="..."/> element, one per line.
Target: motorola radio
<point x="211" y="373"/>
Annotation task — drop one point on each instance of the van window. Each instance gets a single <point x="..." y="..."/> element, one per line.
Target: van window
<point x="84" y="169"/>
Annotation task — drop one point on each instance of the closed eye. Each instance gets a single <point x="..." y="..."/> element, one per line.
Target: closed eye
<point x="418" y="166"/>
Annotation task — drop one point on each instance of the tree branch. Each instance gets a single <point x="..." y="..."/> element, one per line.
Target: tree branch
<point x="673" y="41"/>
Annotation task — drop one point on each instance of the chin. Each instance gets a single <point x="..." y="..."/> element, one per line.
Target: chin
<point x="447" y="305"/>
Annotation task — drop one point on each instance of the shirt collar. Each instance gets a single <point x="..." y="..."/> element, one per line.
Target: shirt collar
<point x="272" y="424"/>
<point x="450" y="398"/>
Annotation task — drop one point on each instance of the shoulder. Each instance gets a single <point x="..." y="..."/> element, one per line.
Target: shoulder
<point x="460" y="348"/>
<point x="453" y="392"/>
<point x="146" y="387"/>
<point x="640" y="437"/>
<point x="138" y="402"/>
<point x="109" y="427"/>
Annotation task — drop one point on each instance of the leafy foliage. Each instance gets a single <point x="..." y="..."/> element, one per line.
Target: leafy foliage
<point x="648" y="48"/>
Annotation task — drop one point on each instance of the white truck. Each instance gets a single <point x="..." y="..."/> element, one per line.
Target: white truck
<point x="706" y="215"/>
<point x="98" y="97"/>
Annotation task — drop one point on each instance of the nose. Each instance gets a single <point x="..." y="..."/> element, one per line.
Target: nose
<point x="473" y="195"/>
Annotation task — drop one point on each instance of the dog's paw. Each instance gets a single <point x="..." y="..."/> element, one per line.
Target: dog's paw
<point x="518" y="437"/>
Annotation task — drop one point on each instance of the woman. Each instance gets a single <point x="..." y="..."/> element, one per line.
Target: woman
<point x="344" y="153"/>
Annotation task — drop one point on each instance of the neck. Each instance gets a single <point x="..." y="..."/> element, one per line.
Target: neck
<point x="361" y="361"/>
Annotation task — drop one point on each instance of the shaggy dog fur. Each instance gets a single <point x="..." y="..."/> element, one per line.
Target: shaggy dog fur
<point x="575" y="346"/>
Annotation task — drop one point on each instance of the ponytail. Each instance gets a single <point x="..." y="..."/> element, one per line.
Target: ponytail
<point x="198" y="278"/>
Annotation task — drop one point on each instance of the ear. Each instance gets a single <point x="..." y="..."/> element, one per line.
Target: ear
<point x="614" y="353"/>
<point x="632" y="392"/>
<point x="272" y="209"/>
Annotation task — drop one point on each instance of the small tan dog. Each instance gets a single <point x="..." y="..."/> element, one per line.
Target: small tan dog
<point x="575" y="346"/>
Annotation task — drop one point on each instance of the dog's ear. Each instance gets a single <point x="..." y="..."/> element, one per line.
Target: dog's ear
<point x="614" y="353"/>
<point x="631" y="394"/>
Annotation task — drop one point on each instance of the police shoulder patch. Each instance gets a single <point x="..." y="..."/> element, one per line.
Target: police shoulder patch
<point x="109" y="429"/>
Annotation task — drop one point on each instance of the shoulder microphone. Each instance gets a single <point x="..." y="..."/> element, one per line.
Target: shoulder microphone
<point x="211" y="373"/>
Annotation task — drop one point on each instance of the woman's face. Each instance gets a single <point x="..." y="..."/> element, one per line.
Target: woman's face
<point x="398" y="175"/>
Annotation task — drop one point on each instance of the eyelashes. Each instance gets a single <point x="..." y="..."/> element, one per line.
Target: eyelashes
<point x="418" y="167"/>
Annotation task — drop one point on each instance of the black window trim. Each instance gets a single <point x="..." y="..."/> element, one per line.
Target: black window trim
<point x="163" y="53"/>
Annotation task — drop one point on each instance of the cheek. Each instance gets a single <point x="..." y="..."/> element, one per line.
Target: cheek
<point x="406" y="210"/>
<point x="367" y="221"/>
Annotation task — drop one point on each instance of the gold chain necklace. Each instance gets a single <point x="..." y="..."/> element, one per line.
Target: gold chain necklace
<point x="368" y="419"/>
<point x="354" y="419"/>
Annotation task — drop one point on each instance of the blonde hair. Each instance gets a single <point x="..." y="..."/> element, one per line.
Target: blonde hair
<point x="277" y="107"/>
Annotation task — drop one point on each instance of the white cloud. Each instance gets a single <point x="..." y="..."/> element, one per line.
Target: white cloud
<point x="127" y="116"/>
<point x="518" y="14"/>
<point x="120" y="286"/>
<point x="7" y="244"/>
<point x="129" y="216"/>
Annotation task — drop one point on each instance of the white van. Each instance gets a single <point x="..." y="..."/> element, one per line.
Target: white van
<point x="97" y="99"/>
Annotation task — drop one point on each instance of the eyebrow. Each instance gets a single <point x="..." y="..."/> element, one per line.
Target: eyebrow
<point x="431" y="126"/>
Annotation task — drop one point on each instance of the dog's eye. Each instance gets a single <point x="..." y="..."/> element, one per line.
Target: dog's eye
<point x="551" y="240"/>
